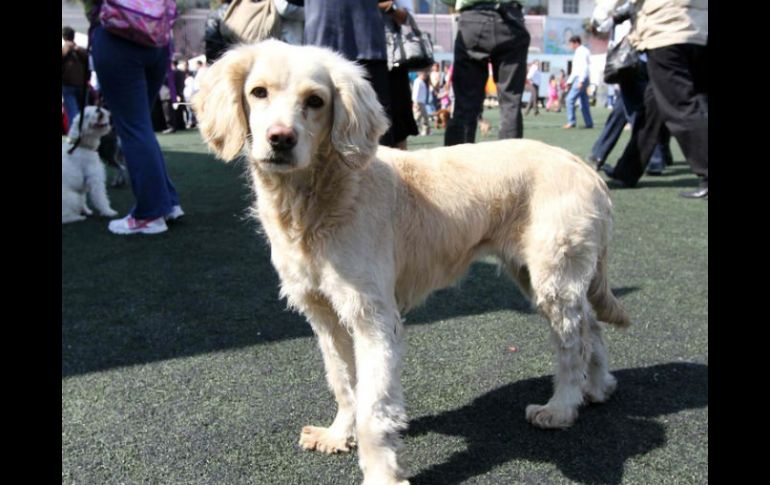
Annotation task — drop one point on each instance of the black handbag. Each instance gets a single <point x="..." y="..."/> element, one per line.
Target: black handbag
<point x="412" y="50"/>
<point x="622" y="61"/>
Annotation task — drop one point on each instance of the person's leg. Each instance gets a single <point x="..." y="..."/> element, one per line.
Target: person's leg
<point x="378" y="77"/>
<point x="468" y="79"/>
<point x="122" y="70"/>
<point x="678" y="79"/>
<point x="509" y="64"/>
<point x="71" y="94"/>
<point x="585" y="106"/>
<point x="572" y="96"/>
<point x="610" y="134"/>
<point x="644" y="136"/>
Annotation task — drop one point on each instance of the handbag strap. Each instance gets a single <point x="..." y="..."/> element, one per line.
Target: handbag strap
<point x="413" y="24"/>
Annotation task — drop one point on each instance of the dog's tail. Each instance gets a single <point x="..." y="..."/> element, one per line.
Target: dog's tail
<point x="608" y="308"/>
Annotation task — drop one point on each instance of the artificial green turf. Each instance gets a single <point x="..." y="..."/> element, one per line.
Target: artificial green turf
<point x="181" y="366"/>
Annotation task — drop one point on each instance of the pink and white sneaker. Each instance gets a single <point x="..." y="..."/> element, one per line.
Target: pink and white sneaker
<point x="129" y="225"/>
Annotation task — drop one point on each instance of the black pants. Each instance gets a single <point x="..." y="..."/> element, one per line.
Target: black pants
<point x="484" y="36"/>
<point x="677" y="95"/>
<point x="380" y="80"/>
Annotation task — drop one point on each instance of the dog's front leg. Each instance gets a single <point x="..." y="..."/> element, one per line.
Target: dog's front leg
<point x="97" y="190"/>
<point x="380" y="415"/>
<point x="337" y="348"/>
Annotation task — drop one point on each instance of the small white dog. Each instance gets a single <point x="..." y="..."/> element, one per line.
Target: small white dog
<point x="82" y="171"/>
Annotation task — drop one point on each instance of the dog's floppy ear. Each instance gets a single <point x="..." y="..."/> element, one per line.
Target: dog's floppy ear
<point x="359" y="119"/>
<point x="219" y="104"/>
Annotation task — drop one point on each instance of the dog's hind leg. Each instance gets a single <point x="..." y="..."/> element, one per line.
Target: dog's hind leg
<point x="559" y="285"/>
<point x="600" y="383"/>
<point x="97" y="190"/>
<point x="337" y="348"/>
<point x="71" y="206"/>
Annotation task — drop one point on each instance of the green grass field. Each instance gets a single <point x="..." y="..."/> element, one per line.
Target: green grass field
<point x="181" y="366"/>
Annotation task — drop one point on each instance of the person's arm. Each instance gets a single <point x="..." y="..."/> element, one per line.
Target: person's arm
<point x="391" y="8"/>
<point x="585" y="71"/>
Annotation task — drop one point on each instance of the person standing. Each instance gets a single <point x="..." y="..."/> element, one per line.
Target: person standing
<point x="74" y="73"/>
<point x="131" y="75"/>
<point x="420" y="100"/>
<point x="488" y="32"/>
<point x="674" y="35"/>
<point x="355" y="29"/>
<point x="578" y="84"/>
<point x="394" y="14"/>
<point x="553" y="95"/>
<point x="533" y="84"/>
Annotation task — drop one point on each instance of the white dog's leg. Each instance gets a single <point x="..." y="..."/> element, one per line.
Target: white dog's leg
<point x="337" y="349"/>
<point x="600" y="383"/>
<point x="380" y="414"/>
<point x="562" y="409"/>
<point x="70" y="207"/>
<point x="559" y="290"/>
<point x="97" y="189"/>
<point x="84" y="209"/>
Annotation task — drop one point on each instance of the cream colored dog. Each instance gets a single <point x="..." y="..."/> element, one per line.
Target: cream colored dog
<point x="361" y="234"/>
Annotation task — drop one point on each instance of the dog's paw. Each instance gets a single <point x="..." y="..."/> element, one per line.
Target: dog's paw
<point x="598" y="392"/>
<point x="109" y="213"/>
<point x="87" y="211"/>
<point x="549" y="417"/>
<point x="325" y="441"/>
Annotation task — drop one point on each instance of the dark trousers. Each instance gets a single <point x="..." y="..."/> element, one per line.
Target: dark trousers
<point x="380" y="80"/>
<point x="130" y="76"/>
<point x="676" y="96"/>
<point x="484" y="36"/>
<point x="628" y="103"/>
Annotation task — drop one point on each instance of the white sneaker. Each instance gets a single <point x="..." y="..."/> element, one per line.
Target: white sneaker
<point x="176" y="213"/>
<point x="129" y="225"/>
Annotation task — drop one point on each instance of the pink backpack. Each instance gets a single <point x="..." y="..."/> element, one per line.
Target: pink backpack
<point x="146" y="22"/>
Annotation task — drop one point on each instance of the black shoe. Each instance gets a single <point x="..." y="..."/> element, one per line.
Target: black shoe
<point x="614" y="182"/>
<point x="595" y="162"/>
<point x="701" y="193"/>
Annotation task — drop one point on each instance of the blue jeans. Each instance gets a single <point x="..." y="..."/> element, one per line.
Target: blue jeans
<point x="130" y="76"/>
<point x="581" y="94"/>
<point x="71" y="96"/>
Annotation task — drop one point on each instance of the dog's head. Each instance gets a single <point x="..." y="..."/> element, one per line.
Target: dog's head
<point x="96" y="123"/>
<point x="285" y="107"/>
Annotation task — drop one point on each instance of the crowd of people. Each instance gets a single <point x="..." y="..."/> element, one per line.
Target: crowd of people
<point x="149" y="90"/>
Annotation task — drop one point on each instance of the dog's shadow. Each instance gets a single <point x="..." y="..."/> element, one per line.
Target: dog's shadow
<point x="594" y="450"/>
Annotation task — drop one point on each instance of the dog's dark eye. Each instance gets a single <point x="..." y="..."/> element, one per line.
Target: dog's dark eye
<point x="259" y="92"/>
<point x="314" y="102"/>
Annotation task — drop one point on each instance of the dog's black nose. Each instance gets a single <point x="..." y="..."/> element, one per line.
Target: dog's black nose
<point x="281" y="137"/>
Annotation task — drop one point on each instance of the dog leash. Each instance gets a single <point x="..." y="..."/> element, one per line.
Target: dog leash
<point x="84" y="94"/>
